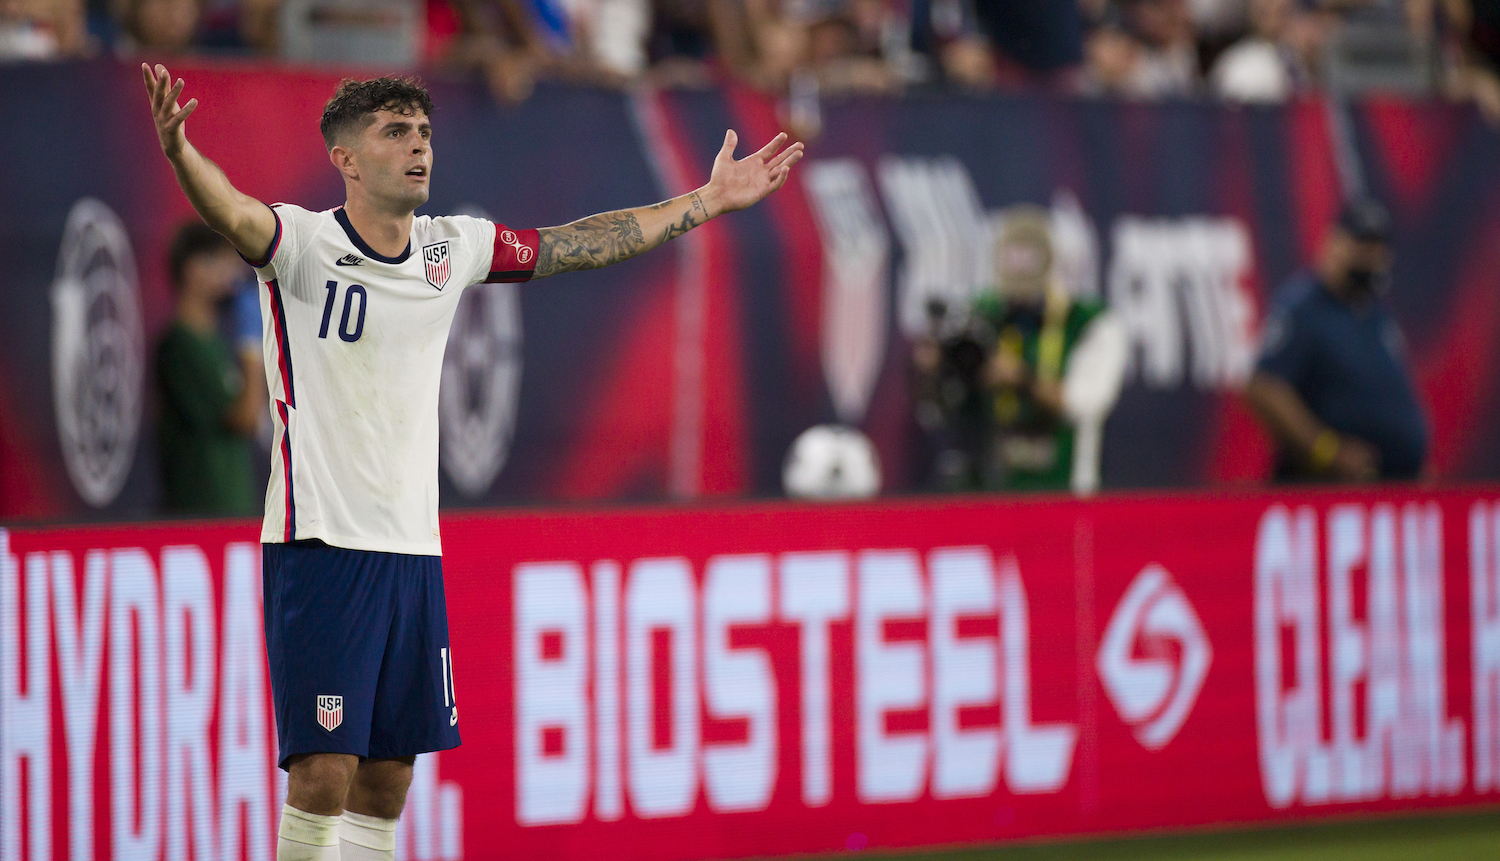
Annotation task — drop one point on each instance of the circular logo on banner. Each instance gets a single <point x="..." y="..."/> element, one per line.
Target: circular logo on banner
<point x="481" y="382"/>
<point x="97" y="352"/>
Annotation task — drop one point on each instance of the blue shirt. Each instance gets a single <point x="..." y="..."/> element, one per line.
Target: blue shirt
<point x="1348" y="363"/>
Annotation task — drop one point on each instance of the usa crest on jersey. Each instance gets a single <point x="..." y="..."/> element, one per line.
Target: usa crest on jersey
<point x="330" y="711"/>
<point x="437" y="263"/>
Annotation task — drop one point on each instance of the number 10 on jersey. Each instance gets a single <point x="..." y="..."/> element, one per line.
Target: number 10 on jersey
<point x="345" y="333"/>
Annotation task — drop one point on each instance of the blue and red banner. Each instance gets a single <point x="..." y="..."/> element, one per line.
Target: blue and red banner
<point x="688" y="372"/>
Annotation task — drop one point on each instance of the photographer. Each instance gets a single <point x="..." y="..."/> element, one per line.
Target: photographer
<point x="1014" y="396"/>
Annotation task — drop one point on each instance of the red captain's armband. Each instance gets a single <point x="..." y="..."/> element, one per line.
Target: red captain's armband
<point x="515" y="255"/>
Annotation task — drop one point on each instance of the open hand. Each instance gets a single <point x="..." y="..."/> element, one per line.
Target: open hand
<point x="165" y="110"/>
<point x="735" y="185"/>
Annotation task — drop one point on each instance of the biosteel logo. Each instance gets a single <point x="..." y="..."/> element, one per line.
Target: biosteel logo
<point x="618" y="674"/>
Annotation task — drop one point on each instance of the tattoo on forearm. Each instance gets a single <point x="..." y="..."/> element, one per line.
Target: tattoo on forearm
<point x="589" y="243"/>
<point x="695" y="215"/>
<point x="610" y="237"/>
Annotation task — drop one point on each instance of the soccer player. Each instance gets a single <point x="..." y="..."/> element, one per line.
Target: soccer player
<point x="357" y="302"/>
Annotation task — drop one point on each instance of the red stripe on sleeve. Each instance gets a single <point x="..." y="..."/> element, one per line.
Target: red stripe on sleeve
<point x="515" y="255"/>
<point x="289" y="528"/>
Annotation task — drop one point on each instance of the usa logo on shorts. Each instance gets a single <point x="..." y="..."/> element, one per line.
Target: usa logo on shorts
<point x="435" y="261"/>
<point x="330" y="711"/>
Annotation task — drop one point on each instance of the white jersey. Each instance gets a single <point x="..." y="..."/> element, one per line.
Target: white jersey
<point x="354" y="356"/>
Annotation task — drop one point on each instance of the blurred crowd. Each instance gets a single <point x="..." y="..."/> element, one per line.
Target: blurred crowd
<point x="1250" y="50"/>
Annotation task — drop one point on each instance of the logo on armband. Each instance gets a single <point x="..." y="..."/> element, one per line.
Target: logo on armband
<point x="523" y="251"/>
<point x="330" y="711"/>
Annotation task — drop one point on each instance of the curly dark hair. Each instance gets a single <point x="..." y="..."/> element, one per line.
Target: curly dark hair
<point x="354" y="104"/>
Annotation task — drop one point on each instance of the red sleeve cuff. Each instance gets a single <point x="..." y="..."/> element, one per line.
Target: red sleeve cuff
<point x="515" y="255"/>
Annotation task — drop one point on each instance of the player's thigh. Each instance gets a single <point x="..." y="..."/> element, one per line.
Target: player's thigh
<point x="415" y="708"/>
<point x="328" y="611"/>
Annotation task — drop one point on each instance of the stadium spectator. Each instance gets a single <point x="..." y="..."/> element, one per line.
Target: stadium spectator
<point x="518" y="42"/>
<point x="1143" y="49"/>
<point x="1270" y="64"/>
<point x="774" y="44"/>
<point x="1035" y="41"/>
<point x="688" y="39"/>
<point x="1109" y="55"/>
<point x="946" y="38"/>
<point x="1332" y="384"/>
<point x="846" y="45"/>
<point x="1478" y="23"/>
<point x="1016" y="400"/>
<point x="1167" y="64"/>
<point x="212" y="400"/>
<point x="1217" y="24"/>
<point x="608" y="42"/>
<point x="823" y="45"/>
<point x="41" y="29"/>
<point x="511" y="42"/>
<point x="160" y="25"/>
<point x="614" y="36"/>
<point x="1483" y="27"/>
<point x="1257" y="50"/>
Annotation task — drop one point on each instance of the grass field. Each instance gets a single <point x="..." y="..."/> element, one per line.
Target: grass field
<point x="1473" y="836"/>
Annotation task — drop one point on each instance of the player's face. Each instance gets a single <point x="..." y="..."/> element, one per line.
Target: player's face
<point x="395" y="158"/>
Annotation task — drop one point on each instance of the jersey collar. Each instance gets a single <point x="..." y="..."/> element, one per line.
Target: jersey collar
<point x="343" y="219"/>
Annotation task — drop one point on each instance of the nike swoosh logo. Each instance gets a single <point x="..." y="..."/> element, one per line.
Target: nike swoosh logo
<point x="346" y="263"/>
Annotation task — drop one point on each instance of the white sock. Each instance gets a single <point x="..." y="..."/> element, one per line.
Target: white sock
<point x="307" y="836"/>
<point x="366" y="838"/>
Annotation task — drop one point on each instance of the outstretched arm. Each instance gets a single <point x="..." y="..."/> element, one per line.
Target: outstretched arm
<point x="610" y="237"/>
<point x="246" y="222"/>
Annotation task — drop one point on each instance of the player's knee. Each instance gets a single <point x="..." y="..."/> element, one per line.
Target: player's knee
<point x="379" y="787"/>
<point x="319" y="783"/>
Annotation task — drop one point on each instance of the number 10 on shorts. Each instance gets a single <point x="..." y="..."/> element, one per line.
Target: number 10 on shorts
<point x="450" y="699"/>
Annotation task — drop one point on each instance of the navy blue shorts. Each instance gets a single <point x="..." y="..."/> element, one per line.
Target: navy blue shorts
<point x="357" y="643"/>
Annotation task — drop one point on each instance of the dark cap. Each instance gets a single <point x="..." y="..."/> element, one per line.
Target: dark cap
<point x="1366" y="219"/>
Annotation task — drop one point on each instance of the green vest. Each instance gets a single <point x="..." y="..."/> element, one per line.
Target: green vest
<point x="1031" y="449"/>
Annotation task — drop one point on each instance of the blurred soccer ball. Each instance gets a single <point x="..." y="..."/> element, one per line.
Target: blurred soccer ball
<point x="831" y="462"/>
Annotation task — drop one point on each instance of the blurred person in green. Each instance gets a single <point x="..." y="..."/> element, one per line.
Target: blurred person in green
<point x="1019" y="396"/>
<point x="213" y="394"/>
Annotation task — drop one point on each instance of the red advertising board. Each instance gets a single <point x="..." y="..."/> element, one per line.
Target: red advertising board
<point x="778" y="679"/>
